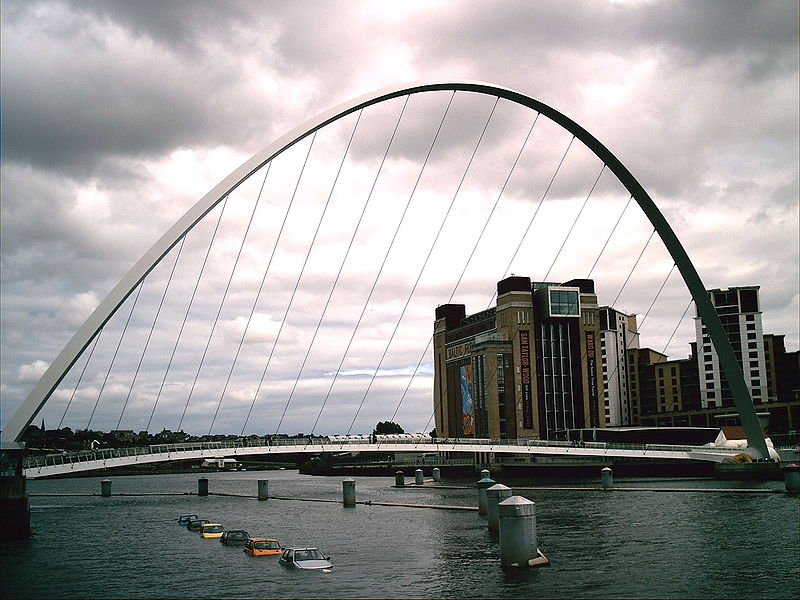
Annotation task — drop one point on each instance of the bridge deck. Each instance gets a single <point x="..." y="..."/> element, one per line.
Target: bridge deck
<point x="74" y="462"/>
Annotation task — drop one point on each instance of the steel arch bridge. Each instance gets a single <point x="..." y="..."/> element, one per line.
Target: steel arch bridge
<point x="58" y="369"/>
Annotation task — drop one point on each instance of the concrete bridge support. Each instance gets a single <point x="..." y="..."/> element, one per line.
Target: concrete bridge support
<point x="349" y="492"/>
<point x="518" y="537"/>
<point x="15" y="511"/>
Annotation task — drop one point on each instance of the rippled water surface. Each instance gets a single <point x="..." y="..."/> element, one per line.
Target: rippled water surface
<point x="636" y="544"/>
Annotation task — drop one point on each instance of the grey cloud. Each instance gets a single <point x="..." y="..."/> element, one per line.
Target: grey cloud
<point x="698" y="100"/>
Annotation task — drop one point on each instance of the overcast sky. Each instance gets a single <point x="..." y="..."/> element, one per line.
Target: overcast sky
<point x="118" y="116"/>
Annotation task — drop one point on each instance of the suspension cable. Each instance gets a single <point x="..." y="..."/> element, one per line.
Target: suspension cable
<point x="610" y="376"/>
<point x="260" y="289"/>
<point x="305" y="262"/>
<point x="275" y="343"/>
<point x="578" y="216"/>
<point x="150" y="334"/>
<point x="80" y="378"/>
<point x="535" y="212"/>
<point x="255" y="302"/>
<point x="188" y="309"/>
<point x="610" y="235"/>
<point x="664" y="283"/>
<point x="424" y="264"/>
<point x="342" y="264"/>
<point x="492" y="375"/>
<point x="469" y="260"/>
<point x="674" y="331"/>
<point x="633" y="268"/>
<point x="222" y="303"/>
<point x="114" y="357"/>
<point x="385" y="257"/>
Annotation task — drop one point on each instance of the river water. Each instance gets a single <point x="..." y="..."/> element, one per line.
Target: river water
<point x="602" y="544"/>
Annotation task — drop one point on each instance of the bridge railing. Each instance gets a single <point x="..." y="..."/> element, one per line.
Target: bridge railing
<point x="65" y="458"/>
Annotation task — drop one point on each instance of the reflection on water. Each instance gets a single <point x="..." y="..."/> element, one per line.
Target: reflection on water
<point x="601" y="544"/>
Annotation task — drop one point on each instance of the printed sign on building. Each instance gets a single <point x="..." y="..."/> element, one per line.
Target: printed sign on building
<point x="525" y="376"/>
<point x="591" y="362"/>
<point x="459" y="351"/>
<point x="467" y="405"/>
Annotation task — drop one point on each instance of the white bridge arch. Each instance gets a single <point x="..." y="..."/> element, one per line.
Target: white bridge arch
<point x="38" y="396"/>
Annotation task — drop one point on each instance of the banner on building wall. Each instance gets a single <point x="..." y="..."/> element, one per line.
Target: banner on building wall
<point x="525" y="378"/>
<point x="591" y="362"/>
<point x="467" y="405"/>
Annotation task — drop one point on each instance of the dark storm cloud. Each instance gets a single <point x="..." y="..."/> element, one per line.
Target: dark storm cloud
<point x="86" y="82"/>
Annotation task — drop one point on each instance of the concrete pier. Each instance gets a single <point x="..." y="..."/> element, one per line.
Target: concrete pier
<point x="437" y="474"/>
<point x="349" y="492"/>
<point x="399" y="479"/>
<point x="263" y="489"/>
<point x="606" y="478"/>
<point x="518" y="537"/>
<point x="485" y="483"/>
<point x="418" y="477"/>
<point x="105" y="488"/>
<point x="494" y="496"/>
<point x="202" y="487"/>
<point x="791" y="476"/>
<point x="15" y="512"/>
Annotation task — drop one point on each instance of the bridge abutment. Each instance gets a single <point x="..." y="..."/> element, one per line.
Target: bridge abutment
<point x="15" y="512"/>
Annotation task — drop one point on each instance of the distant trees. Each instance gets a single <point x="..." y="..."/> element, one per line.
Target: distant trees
<point x="386" y="427"/>
<point x="37" y="439"/>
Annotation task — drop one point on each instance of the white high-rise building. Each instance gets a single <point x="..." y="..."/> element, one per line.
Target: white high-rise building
<point x="739" y="310"/>
<point x="617" y="335"/>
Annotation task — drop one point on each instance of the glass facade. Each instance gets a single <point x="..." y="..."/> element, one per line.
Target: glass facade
<point x="559" y="384"/>
<point x="503" y="363"/>
<point x="564" y="303"/>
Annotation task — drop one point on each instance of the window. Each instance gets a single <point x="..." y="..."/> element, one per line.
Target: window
<point x="748" y="300"/>
<point x="709" y="376"/>
<point x="751" y="336"/>
<point x="755" y="382"/>
<point x="752" y="345"/>
<point x="709" y="386"/>
<point x="725" y="298"/>
<point x="711" y="394"/>
<point x="709" y="367"/>
<point x="753" y="363"/>
<point x="753" y="354"/>
<point x="563" y="302"/>
<point x="750" y="317"/>
<point x="751" y="327"/>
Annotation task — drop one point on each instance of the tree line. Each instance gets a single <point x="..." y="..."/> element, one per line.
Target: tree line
<point x="39" y="439"/>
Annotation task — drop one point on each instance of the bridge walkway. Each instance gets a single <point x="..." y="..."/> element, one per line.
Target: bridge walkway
<point x="88" y="460"/>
